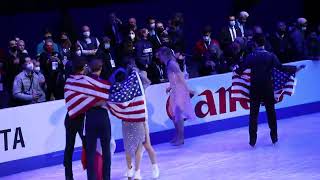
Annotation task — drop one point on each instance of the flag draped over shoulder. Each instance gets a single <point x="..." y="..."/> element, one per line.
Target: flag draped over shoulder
<point x="82" y="92"/>
<point x="283" y="82"/>
<point x="127" y="99"/>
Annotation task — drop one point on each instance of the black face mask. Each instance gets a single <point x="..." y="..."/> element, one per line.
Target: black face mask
<point x="160" y="30"/>
<point x="14" y="48"/>
<point x="132" y="26"/>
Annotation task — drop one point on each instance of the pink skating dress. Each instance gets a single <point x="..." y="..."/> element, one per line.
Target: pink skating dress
<point x="180" y="101"/>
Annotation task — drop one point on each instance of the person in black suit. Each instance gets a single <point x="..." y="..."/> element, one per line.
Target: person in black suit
<point x="73" y="126"/>
<point x="229" y="33"/>
<point x="97" y="125"/>
<point x="261" y="63"/>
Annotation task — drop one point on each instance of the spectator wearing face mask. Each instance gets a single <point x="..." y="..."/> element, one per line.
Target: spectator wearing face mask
<point x="88" y="43"/>
<point x="12" y="49"/>
<point x="47" y="36"/>
<point x="26" y="86"/>
<point x="13" y="63"/>
<point x="181" y="60"/>
<point x="153" y="36"/>
<point x="144" y="52"/>
<point x="202" y="45"/>
<point x="37" y="71"/>
<point x="132" y="24"/>
<point x="163" y="36"/>
<point x="106" y="54"/>
<point x="298" y="38"/>
<point x="127" y="47"/>
<point x="65" y="48"/>
<point x="241" y="22"/>
<point x="229" y="33"/>
<point x="280" y="43"/>
<point x="52" y="66"/>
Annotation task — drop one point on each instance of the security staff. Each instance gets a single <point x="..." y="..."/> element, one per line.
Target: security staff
<point x="97" y="125"/>
<point x="261" y="63"/>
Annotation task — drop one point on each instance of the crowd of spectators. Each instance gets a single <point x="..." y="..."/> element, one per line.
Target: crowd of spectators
<point x="27" y="79"/>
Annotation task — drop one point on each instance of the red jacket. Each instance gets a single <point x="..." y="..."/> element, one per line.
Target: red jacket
<point x="201" y="47"/>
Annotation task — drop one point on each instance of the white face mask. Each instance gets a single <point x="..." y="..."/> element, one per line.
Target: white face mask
<point x="232" y="23"/>
<point x="37" y="69"/>
<point x="132" y="36"/>
<point x="153" y="26"/>
<point x="107" y="45"/>
<point x="86" y="33"/>
<point x="304" y="28"/>
<point x="78" y="52"/>
<point x="206" y="38"/>
<point x="29" y="66"/>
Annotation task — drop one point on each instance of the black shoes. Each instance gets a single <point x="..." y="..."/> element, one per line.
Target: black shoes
<point x="274" y="137"/>
<point x="253" y="140"/>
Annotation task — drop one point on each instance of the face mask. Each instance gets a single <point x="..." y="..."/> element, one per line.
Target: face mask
<point x="232" y="23"/>
<point x="152" y="25"/>
<point x="304" y="28"/>
<point x="29" y="66"/>
<point x="37" y="69"/>
<point x="49" y="49"/>
<point x="132" y="36"/>
<point x="243" y="21"/>
<point x="132" y="26"/>
<point x="86" y="33"/>
<point x="78" y="52"/>
<point x="160" y="30"/>
<point x="206" y="38"/>
<point x="106" y="45"/>
<point x="14" y="48"/>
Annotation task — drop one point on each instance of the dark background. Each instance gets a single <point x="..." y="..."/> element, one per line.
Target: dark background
<point x="29" y="19"/>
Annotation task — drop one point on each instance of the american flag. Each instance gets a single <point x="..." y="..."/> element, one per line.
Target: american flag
<point x="283" y="82"/>
<point x="82" y="92"/>
<point x="127" y="100"/>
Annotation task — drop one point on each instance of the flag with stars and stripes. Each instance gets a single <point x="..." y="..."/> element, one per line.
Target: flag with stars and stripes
<point x="283" y="82"/>
<point x="127" y="99"/>
<point x="83" y="92"/>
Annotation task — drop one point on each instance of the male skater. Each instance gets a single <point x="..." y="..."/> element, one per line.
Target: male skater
<point x="261" y="63"/>
<point x="97" y="125"/>
<point x="74" y="125"/>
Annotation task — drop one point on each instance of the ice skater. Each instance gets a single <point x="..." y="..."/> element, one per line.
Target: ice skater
<point x="261" y="63"/>
<point x="180" y="101"/>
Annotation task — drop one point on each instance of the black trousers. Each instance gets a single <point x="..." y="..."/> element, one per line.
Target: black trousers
<point x="97" y="125"/>
<point x="258" y="96"/>
<point x="73" y="126"/>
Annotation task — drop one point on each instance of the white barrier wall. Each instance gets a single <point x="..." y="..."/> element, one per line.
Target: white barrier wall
<point x="38" y="129"/>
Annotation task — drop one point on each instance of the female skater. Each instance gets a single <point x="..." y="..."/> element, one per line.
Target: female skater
<point x="180" y="104"/>
<point x="136" y="134"/>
